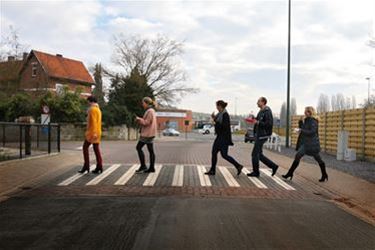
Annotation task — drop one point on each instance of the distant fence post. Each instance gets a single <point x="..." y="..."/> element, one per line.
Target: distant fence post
<point x="58" y="137"/>
<point x="3" y="135"/>
<point x="49" y="138"/>
<point x="27" y="140"/>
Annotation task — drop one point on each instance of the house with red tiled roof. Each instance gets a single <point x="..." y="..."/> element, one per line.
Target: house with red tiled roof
<point x="39" y="72"/>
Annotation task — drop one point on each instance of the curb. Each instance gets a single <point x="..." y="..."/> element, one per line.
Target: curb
<point x="28" y="158"/>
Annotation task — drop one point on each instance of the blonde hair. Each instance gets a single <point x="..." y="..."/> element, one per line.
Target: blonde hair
<point x="149" y="101"/>
<point x="312" y="111"/>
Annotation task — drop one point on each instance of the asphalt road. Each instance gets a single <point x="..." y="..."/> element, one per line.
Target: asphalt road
<point x="178" y="223"/>
<point x="105" y="216"/>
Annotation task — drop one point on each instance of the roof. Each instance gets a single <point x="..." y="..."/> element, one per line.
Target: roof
<point x="63" y="68"/>
<point x="9" y="70"/>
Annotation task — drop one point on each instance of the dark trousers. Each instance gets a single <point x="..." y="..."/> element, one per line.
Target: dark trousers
<point x="86" y="156"/>
<point x="223" y="149"/>
<point x="257" y="155"/>
<point x="301" y="152"/>
<point x="141" y="155"/>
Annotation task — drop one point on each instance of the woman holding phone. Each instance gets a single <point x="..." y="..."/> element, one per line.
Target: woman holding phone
<point x="223" y="138"/>
<point x="148" y="132"/>
<point x="309" y="143"/>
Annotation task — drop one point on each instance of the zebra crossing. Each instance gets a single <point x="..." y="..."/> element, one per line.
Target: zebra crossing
<point x="177" y="175"/>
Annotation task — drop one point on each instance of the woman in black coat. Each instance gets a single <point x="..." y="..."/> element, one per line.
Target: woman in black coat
<point x="310" y="144"/>
<point x="299" y="139"/>
<point x="223" y="138"/>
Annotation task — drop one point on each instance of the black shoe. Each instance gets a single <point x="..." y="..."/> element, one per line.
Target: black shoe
<point x="97" y="170"/>
<point x="84" y="169"/>
<point x="141" y="169"/>
<point x="274" y="170"/>
<point x="324" y="178"/>
<point x="286" y="176"/>
<point x="150" y="170"/>
<point x="254" y="174"/>
<point x="210" y="173"/>
<point x="239" y="169"/>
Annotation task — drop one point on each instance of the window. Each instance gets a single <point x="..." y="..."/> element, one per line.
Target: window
<point x="34" y="69"/>
<point x="59" y="88"/>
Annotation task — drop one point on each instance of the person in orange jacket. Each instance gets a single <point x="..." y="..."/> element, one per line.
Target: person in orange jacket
<point x="93" y="136"/>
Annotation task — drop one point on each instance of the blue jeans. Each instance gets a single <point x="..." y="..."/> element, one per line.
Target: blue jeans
<point x="257" y="155"/>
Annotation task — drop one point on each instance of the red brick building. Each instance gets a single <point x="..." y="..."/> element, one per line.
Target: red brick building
<point x="39" y="72"/>
<point x="174" y="118"/>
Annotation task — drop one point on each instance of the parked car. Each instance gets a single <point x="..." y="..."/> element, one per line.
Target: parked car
<point x="170" y="132"/>
<point x="249" y="135"/>
<point x="207" y="129"/>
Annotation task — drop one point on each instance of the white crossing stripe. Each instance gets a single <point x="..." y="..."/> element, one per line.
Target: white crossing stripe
<point x="204" y="179"/>
<point x="152" y="177"/>
<point x="277" y="180"/>
<point x="229" y="177"/>
<point x="127" y="175"/>
<point x="72" y="179"/>
<point x="178" y="177"/>
<point x="254" y="180"/>
<point x="103" y="175"/>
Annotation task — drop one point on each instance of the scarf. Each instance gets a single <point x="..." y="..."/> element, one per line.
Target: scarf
<point x="219" y="116"/>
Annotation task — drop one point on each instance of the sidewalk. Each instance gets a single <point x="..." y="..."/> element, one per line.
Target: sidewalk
<point x="362" y="169"/>
<point x="24" y="174"/>
<point x="352" y="193"/>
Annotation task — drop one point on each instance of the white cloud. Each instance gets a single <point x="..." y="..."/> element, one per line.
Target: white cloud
<point x="233" y="49"/>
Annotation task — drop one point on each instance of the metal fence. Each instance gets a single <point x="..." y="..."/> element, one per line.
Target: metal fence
<point x="19" y="140"/>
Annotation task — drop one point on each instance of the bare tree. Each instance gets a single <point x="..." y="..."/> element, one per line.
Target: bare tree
<point x="10" y="45"/>
<point x="293" y="107"/>
<point x="354" y="102"/>
<point x="293" y="111"/>
<point x="323" y="104"/>
<point x="283" y="115"/>
<point x="348" y="103"/>
<point x="333" y="103"/>
<point x="369" y="102"/>
<point x="157" y="60"/>
<point x="340" y="102"/>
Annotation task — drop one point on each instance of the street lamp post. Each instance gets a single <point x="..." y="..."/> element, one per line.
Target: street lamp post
<point x="288" y="80"/>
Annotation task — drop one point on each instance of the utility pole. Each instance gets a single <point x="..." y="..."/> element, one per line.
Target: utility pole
<point x="288" y="80"/>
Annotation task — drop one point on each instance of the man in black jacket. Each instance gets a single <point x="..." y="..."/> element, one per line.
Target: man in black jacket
<point x="263" y="130"/>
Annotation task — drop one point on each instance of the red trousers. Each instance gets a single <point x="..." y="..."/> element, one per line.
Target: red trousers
<point x="86" y="156"/>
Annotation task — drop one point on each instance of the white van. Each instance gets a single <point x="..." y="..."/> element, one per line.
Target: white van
<point x="207" y="129"/>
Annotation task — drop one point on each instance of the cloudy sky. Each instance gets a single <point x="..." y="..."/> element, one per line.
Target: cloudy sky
<point x="234" y="50"/>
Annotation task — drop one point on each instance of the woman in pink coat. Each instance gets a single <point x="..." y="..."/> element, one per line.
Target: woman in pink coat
<point x="148" y="132"/>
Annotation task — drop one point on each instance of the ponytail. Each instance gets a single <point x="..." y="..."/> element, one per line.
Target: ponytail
<point x="149" y="102"/>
